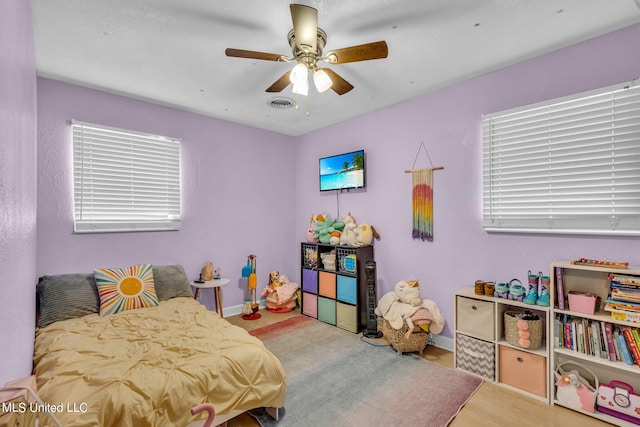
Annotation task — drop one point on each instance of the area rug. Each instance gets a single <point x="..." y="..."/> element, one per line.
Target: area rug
<point x="336" y="378"/>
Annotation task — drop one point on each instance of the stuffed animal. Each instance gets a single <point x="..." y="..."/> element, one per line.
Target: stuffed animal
<point x="404" y="304"/>
<point x="281" y="295"/>
<point x="348" y="236"/>
<point x="323" y="229"/>
<point x="335" y="238"/>
<point x="311" y="231"/>
<point x="365" y="234"/>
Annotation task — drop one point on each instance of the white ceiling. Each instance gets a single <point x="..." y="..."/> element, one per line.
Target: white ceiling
<point x="171" y="52"/>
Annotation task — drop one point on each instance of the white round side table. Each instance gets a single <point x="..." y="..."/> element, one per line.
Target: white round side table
<point x="214" y="284"/>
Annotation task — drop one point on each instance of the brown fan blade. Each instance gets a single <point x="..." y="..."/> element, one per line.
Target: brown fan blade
<point x="363" y="52"/>
<point x="338" y="84"/>
<point x="305" y="27"/>
<point x="239" y="53"/>
<point x="280" y="84"/>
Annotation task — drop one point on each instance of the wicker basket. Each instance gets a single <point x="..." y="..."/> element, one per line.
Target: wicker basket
<point x="417" y="341"/>
<point x="533" y="327"/>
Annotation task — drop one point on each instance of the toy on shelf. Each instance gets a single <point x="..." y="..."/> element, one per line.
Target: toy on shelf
<point x="250" y="306"/>
<point x="343" y="232"/>
<point x="365" y="234"/>
<point x="598" y="263"/>
<point x="329" y="260"/>
<point x="326" y="229"/>
<point x="280" y="293"/>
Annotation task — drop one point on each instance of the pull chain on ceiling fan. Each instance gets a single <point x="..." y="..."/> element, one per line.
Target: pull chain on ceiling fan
<point x="307" y="43"/>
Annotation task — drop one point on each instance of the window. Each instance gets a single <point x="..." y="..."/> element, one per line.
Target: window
<point x="124" y="180"/>
<point x="571" y="165"/>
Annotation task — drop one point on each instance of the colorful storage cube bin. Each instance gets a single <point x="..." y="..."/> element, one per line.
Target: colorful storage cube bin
<point x="327" y="310"/>
<point x="525" y="371"/>
<point x="327" y="284"/>
<point x="475" y="317"/>
<point x="347" y="289"/>
<point x="310" y="281"/>
<point x="476" y="356"/>
<point x="347" y="317"/>
<point x="310" y="304"/>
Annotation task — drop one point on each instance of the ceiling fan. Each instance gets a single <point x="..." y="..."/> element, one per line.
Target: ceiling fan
<point x="307" y="42"/>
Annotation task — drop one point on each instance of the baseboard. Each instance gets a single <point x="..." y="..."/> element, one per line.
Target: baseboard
<point x="444" y="343"/>
<point x="237" y="309"/>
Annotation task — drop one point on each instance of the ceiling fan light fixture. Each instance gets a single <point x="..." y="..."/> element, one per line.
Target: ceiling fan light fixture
<point x="322" y="80"/>
<point x="301" y="88"/>
<point x="298" y="74"/>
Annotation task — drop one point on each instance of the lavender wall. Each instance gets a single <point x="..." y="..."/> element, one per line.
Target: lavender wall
<point x="449" y="123"/>
<point x="17" y="189"/>
<point x="237" y="187"/>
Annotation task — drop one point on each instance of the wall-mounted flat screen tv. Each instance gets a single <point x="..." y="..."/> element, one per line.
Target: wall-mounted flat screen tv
<point x="342" y="171"/>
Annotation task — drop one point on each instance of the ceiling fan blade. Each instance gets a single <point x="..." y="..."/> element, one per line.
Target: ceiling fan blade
<point x="305" y="27"/>
<point x="363" y="52"/>
<point x="338" y="84"/>
<point x="280" y="84"/>
<point x="239" y="53"/>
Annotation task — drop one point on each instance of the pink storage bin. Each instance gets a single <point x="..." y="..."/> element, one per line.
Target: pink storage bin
<point x="582" y="302"/>
<point x="310" y="304"/>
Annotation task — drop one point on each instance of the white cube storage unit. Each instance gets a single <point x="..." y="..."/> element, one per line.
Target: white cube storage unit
<point x="481" y="349"/>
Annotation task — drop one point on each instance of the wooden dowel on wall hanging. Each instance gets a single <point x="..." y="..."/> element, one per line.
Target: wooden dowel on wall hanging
<point x="435" y="168"/>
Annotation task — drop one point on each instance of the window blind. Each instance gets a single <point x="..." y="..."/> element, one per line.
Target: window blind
<point x="571" y="165"/>
<point x="124" y="180"/>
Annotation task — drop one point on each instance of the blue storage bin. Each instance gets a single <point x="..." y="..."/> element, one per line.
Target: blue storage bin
<point x="347" y="289"/>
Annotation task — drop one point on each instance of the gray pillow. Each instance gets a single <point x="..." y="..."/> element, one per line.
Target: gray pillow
<point x="65" y="296"/>
<point x="171" y="281"/>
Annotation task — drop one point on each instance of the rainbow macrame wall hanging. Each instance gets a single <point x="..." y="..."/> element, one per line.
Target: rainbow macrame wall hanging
<point x="422" y="198"/>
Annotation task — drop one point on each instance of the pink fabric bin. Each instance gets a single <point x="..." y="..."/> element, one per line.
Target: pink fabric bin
<point x="310" y="304"/>
<point x="582" y="302"/>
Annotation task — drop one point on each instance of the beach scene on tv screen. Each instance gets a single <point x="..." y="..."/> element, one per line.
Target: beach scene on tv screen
<point x="343" y="171"/>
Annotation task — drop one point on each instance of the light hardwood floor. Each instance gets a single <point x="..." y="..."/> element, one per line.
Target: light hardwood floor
<point x="491" y="405"/>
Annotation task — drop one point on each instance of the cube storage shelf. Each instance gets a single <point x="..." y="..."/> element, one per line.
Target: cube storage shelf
<point x="481" y="349"/>
<point x="594" y="280"/>
<point x="337" y="296"/>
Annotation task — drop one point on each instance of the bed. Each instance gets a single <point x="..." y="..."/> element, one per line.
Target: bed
<point x="145" y="366"/>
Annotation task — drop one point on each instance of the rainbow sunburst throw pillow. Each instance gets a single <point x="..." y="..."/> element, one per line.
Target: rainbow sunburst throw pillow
<point x="126" y="288"/>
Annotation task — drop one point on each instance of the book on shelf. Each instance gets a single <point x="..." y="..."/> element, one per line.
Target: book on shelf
<point x="625" y="295"/>
<point x="560" y="288"/>
<point x="598" y="338"/>
<point x="636" y="336"/>
<point x="622" y="346"/>
<point x="608" y="328"/>
<point x="623" y="305"/>
<point x="618" y="314"/>
<point x="631" y="344"/>
<point x="624" y="279"/>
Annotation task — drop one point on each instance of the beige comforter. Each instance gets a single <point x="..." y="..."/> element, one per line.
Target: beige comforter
<point x="148" y="367"/>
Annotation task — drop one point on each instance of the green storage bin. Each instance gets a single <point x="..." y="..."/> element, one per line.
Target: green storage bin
<point x="327" y="310"/>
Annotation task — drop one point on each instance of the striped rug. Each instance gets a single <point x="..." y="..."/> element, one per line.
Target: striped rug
<point x="336" y="378"/>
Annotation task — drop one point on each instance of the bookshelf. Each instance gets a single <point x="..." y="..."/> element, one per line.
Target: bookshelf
<point x="567" y="343"/>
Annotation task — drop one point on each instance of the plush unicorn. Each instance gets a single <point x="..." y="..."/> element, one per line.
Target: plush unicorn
<point x="402" y="305"/>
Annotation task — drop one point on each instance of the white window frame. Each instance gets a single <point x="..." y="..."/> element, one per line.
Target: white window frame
<point x="124" y="180"/>
<point x="565" y="166"/>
